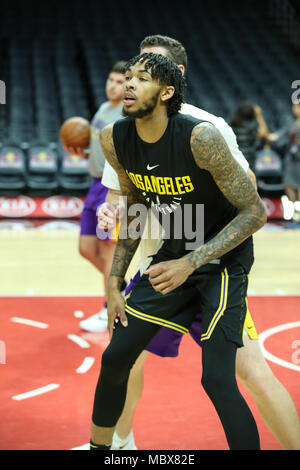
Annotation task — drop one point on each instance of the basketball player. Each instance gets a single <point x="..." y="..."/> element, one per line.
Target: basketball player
<point x="190" y="165"/>
<point x="99" y="250"/>
<point x="272" y="399"/>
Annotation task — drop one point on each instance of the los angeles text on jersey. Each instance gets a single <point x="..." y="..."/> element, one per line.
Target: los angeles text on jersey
<point x="162" y="184"/>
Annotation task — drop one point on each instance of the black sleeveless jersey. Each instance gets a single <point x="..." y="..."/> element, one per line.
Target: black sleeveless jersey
<point x="184" y="197"/>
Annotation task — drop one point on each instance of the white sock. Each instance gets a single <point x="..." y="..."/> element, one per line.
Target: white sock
<point x="121" y="442"/>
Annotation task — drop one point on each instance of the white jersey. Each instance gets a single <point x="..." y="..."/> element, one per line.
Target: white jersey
<point x="149" y="247"/>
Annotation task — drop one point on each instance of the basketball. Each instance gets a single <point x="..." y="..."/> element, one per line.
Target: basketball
<point x="75" y="132"/>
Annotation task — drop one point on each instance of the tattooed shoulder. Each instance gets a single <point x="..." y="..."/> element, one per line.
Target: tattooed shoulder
<point x="208" y="146"/>
<point x="211" y="153"/>
<point x="107" y="144"/>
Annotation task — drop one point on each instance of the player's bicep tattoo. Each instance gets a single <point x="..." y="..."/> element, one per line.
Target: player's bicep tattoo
<point x="108" y="148"/>
<point x="211" y="153"/>
<point x="126" y="186"/>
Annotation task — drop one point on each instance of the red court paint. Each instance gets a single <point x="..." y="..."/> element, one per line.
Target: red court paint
<point x="174" y="412"/>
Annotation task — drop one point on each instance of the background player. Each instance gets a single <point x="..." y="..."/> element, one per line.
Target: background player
<point x="98" y="251"/>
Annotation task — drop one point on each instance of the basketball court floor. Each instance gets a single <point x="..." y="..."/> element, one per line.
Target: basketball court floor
<point x="49" y="367"/>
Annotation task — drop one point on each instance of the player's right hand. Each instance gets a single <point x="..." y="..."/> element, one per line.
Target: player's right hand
<point x="108" y="215"/>
<point x="115" y="310"/>
<point x="75" y="151"/>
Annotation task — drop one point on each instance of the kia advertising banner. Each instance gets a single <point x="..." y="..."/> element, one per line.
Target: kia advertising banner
<point x="57" y="207"/>
<point x="68" y="207"/>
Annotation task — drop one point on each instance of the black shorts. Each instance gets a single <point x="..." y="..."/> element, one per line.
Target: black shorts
<point x="220" y="296"/>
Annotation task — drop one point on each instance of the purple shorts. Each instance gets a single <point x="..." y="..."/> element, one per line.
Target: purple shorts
<point x="167" y="341"/>
<point x="88" y="220"/>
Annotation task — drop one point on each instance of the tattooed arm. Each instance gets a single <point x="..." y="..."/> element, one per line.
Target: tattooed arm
<point x="126" y="246"/>
<point x="212" y="154"/>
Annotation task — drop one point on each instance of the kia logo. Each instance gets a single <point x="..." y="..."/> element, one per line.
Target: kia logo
<point x="21" y="206"/>
<point x="58" y="206"/>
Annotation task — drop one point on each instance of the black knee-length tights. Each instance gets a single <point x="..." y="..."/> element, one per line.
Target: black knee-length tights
<point x="218" y="380"/>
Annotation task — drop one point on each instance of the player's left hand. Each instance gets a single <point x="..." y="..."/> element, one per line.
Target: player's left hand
<point x="168" y="275"/>
<point x="108" y="215"/>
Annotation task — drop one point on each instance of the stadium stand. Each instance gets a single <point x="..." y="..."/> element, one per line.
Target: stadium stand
<point x="12" y="170"/>
<point x="73" y="176"/>
<point x="42" y="170"/>
<point x="269" y="170"/>
<point x="55" y="56"/>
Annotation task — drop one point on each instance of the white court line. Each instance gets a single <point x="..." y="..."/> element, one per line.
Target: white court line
<point x="272" y="331"/>
<point x="37" y="391"/>
<point x="80" y="341"/>
<point x="78" y="314"/>
<point x="26" y="321"/>
<point x="86" y="365"/>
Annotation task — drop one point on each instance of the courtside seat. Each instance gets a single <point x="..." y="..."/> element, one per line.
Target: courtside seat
<point x="12" y="169"/>
<point x="269" y="173"/>
<point x="42" y="169"/>
<point x="74" y="173"/>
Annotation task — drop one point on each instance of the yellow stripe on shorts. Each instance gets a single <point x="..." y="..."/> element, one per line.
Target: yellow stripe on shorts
<point x="249" y="325"/>
<point x="156" y="320"/>
<point x="221" y="308"/>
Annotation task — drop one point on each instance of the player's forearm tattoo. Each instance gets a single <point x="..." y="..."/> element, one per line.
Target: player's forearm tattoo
<point x="212" y="154"/>
<point x="124" y="253"/>
<point x="126" y="247"/>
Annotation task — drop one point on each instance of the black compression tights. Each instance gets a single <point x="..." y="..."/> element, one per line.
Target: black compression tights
<point x="218" y="381"/>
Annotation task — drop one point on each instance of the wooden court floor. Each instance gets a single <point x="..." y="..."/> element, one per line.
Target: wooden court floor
<point x="47" y="262"/>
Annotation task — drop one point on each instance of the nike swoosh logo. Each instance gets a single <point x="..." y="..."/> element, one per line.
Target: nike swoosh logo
<point x="149" y="168"/>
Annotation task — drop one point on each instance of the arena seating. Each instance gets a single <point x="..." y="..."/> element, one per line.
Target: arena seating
<point x="73" y="175"/>
<point x="42" y="170"/>
<point x="54" y="58"/>
<point x="12" y="170"/>
<point x="268" y="170"/>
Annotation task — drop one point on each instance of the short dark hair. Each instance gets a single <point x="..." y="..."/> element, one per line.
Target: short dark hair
<point x="174" y="48"/>
<point x="119" y="67"/>
<point x="167" y="73"/>
<point x="244" y="112"/>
